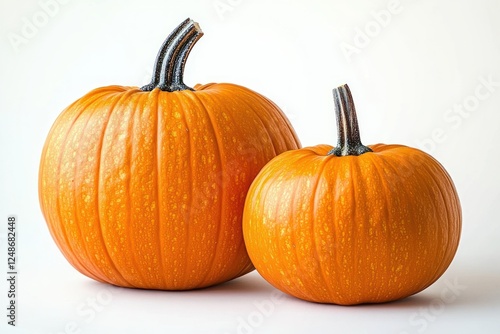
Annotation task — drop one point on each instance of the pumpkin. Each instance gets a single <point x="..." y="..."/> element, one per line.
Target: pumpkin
<point x="145" y="187"/>
<point x="352" y="224"/>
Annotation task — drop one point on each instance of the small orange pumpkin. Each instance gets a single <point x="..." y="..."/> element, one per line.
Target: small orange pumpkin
<point x="352" y="224"/>
<point x="145" y="187"/>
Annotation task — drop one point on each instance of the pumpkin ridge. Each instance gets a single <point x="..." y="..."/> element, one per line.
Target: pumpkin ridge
<point x="392" y="163"/>
<point x="260" y="117"/>
<point x="132" y="153"/>
<point x="83" y="258"/>
<point x="192" y="157"/>
<point x="219" y="145"/>
<point x="343" y="170"/>
<point x="278" y="122"/>
<point x="313" y="204"/>
<point x="287" y="122"/>
<point x="449" y="217"/>
<point x="261" y="124"/>
<point x="292" y="218"/>
<point x="96" y="269"/>
<point x="166" y="179"/>
<point x="153" y="98"/>
<point x="281" y="122"/>
<point x="282" y="241"/>
<point x="376" y="175"/>
<point x="375" y="160"/>
<point x="354" y="170"/>
<point x="439" y="233"/>
<point x="453" y="193"/>
<point x="78" y="263"/>
<point x="119" y="97"/>
<point x="47" y="150"/>
<point x="334" y="169"/>
<point x="112" y="107"/>
<point x="393" y="168"/>
<point x="449" y="251"/>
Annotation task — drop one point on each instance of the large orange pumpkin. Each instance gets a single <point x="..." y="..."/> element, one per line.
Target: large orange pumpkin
<point x="352" y="224"/>
<point x="145" y="187"/>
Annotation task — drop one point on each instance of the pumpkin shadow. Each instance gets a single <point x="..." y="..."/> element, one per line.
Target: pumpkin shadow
<point x="411" y="302"/>
<point x="247" y="284"/>
<point x="461" y="290"/>
<point x="476" y="292"/>
<point x="250" y="284"/>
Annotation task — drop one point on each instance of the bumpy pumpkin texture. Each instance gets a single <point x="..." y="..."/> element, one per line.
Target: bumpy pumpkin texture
<point x="145" y="187"/>
<point x="352" y="224"/>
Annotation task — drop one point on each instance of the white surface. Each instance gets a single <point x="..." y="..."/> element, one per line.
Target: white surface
<point x="428" y="58"/>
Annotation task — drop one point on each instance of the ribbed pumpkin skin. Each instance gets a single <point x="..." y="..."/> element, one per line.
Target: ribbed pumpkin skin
<point x="146" y="189"/>
<point x="355" y="229"/>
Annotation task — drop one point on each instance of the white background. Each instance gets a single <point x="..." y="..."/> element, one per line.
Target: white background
<point x="409" y="75"/>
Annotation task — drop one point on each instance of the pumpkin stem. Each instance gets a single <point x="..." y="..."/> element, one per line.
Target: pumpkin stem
<point x="349" y="141"/>
<point x="169" y="65"/>
<point x="161" y="55"/>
